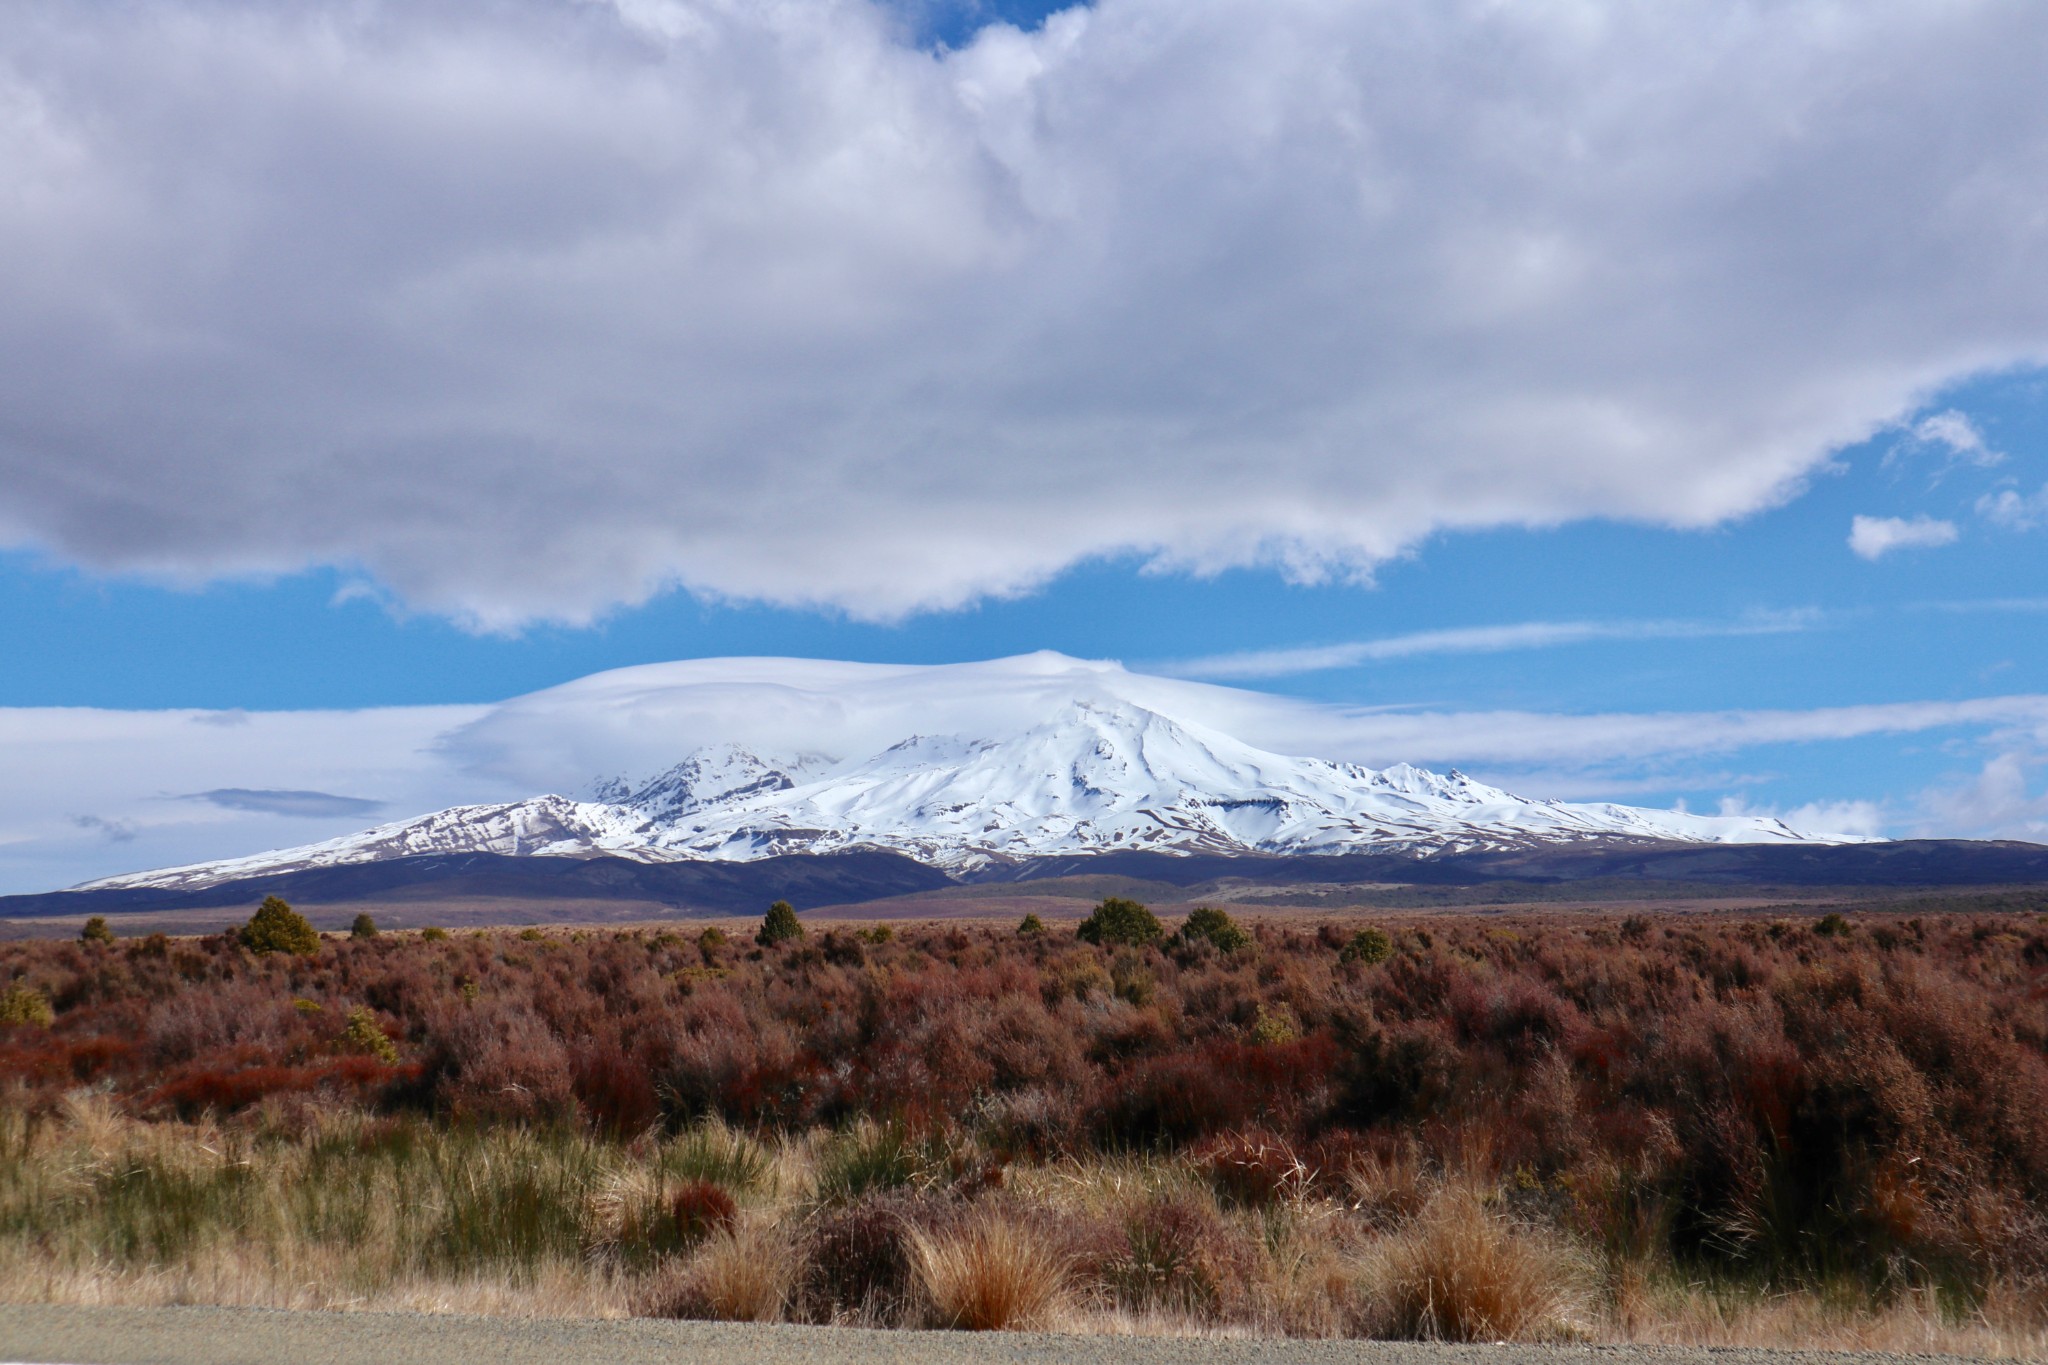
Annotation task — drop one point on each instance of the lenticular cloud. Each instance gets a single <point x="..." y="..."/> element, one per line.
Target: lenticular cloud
<point x="536" y="308"/>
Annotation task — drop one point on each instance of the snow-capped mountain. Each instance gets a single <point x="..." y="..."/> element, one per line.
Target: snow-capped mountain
<point x="1099" y="773"/>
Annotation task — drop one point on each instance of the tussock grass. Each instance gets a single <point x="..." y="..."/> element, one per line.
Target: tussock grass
<point x="739" y="1275"/>
<point x="1461" y="1272"/>
<point x="991" y="1274"/>
<point x="339" y="1210"/>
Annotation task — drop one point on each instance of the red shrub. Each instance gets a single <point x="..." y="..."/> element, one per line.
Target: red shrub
<point x="615" y="1090"/>
<point x="701" y="1208"/>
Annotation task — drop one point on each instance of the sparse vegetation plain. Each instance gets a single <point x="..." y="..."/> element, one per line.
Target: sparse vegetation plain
<point x="1764" y="1131"/>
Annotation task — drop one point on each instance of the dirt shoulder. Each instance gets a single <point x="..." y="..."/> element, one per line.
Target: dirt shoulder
<point x="250" y="1336"/>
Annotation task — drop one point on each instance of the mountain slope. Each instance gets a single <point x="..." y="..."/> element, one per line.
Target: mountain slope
<point x="1100" y="774"/>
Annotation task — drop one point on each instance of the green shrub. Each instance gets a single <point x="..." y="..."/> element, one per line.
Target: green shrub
<point x="877" y="934"/>
<point x="24" y="1004"/>
<point x="1208" y="924"/>
<point x="1834" y="924"/>
<point x="365" y="1034"/>
<point x="1368" y="946"/>
<point x="364" y="927"/>
<point x="531" y="935"/>
<point x="277" y="928"/>
<point x="779" y="925"/>
<point x="433" y="933"/>
<point x="1120" y="921"/>
<point x="96" y="931"/>
<point x="1275" y="1024"/>
<point x="1031" y="927"/>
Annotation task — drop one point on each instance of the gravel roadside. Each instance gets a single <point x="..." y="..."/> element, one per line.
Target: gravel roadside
<point x="251" y="1336"/>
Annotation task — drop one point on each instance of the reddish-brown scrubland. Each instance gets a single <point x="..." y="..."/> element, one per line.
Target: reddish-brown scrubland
<point x="1564" y="1126"/>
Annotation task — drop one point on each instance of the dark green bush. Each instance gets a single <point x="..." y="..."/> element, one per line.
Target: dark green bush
<point x="1206" y="924"/>
<point x="1031" y="927"/>
<point x="779" y="925"/>
<point x="1369" y="946"/>
<point x="1120" y="921"/>
<point x="277" y="928"/>
<point x="364" y="927"/>
<point x="96" y="931"/>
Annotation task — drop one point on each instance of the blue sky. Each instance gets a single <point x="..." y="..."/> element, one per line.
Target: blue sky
<point x="1396" y="356"/>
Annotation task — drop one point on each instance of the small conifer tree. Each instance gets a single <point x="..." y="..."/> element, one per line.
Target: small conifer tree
<point x="779" y="925"/>
<point x="96" y="931"/>
<point x="1118" y="921"/>
<point x="1031" y="927"/>
<point x="277" y="928"/>
<point x="364" y="927"/>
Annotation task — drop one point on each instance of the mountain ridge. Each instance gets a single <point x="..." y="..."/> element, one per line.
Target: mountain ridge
<point x="1101" y="774"/>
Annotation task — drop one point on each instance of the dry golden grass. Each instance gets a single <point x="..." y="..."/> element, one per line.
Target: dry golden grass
<point x="1459" y="1272"/>
<point x="991" y="1274"/>
<point x="341" y="1212"/>
<point x="742" y="1275"/>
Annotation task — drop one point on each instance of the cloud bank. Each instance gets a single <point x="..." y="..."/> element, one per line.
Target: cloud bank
<point x="532" y="309"/>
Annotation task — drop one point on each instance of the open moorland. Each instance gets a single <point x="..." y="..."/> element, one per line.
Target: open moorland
<point x="1760" y="1128"/>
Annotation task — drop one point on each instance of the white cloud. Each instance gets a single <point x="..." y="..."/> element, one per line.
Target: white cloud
<point x="1956" y="434"/>
<point x="1873" y="537"/>
<point x="529" y="309"/>
<point x="1855" y="819"/>
<point x="1993" y="803"/>
<point x="93" y="793"/>
<point x="2013" y="510"/>
<point x="1276" y="663"/>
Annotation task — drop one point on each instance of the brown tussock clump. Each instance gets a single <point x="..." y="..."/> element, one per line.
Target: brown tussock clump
<point x="1460" y="1272"/>
<point x="742" y="1274"/>
<point x="990" y="1274"/>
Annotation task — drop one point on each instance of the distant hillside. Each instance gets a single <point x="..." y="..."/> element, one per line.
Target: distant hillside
<point x="855" y="876"/>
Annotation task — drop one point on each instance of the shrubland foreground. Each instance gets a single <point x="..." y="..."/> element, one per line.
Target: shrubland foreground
<point x="1815" y="1132"/>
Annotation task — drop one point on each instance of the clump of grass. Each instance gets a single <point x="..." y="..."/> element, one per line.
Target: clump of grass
<point x="1460" y="1272"/>
<point x="743" y="1274"/>
<point x="991" y="1273"/>
<point x="717" y="1154"/>
<point x="865" y="1158"/>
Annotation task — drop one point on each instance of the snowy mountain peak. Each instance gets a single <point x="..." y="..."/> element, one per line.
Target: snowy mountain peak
<point x="1098" y="772"/>
<point x="716" y="773"/>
